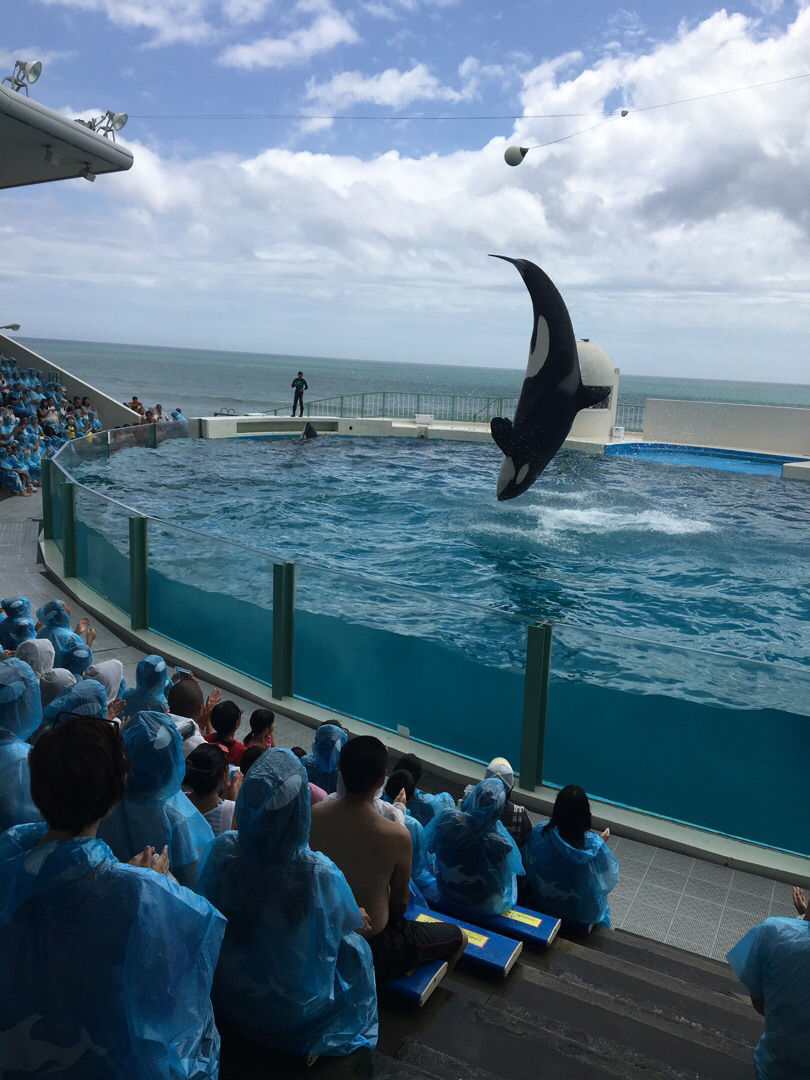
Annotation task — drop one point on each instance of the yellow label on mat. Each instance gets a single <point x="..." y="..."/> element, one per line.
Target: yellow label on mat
<point x="520" y="916"/>
<point x="479" y="940"/>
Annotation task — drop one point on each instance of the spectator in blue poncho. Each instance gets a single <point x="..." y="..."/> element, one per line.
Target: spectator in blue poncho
<point x="20" y="631"/>
<point x="154" y="810"/>
<point x="422" y="863"/>
<point x="55" y="620"/>
<point x="422" y="805"/>
<point x="149" y="691"/>
<point x="321" y="764"/>
<point x="293" y="973"/>
<point x="477" y="861"/>
<point x="570" y="868"/>
<point x="773" y="963"/>
<point x="83" y="698"/>
<point x="107" y="968"/>
<point x="20" y="716"/>
<point x="14" y="607"/>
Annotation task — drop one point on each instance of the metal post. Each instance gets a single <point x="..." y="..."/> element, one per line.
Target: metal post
<point x="47" y="495"/>
<point x="153" y="436"/>
<point x="107" y="442"/>
<point x="283" y="616"/>
<point x="69" y="529"/>
<point x="384" y="413"/>
<point x="362" y="404"/>
<point x="453" y="408"/>
<point x="535" y="703"/>
<point x="138" y="573"/>
<point x="341" y="413"/>
<point x="418" y="403"/>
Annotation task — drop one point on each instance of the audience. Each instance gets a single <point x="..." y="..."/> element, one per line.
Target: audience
<point x="421" y="805"/>
<point x="375" y="855"/>
<point x="14" y="607"/>
<point x="570" y="869"/>
<point x="514" y="817"/>
<point x="261" y="729"/>
<point x="107" y="968"/>
<point x="321" y="763"/>
<point x="772" y="961"/>
<point x="477" y="861"/>
<point x="189" y="711"/>
<point x="294" y="972"/>
<point x="225" y="719"/>
<point x="154" y="810"/>
<point x="211" y="789"/>
<point x="53" y="624"/>
<point x="20" y="716"/>
<point x="149" y="691"/>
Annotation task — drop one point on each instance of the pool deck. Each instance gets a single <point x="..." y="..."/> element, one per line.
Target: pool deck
<point x="678" y="884"/>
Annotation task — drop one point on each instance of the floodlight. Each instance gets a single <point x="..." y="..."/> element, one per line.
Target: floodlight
<point x="87" y="173"/>
<point x="106" y="125"/>
<point x="513" y="155"/>
<point x="11" y="326"/>
<point x="25" y="72"/>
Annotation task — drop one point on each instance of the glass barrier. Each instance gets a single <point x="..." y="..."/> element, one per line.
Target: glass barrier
<point x="58" y="478"/>
<point x="93" y="447"/>
<point x="120" y="438"/>
<point x="102" y="545"/>
<point x="437" y="674"/>
<point x="720" y="744"/>
<point x="187" y="604"/>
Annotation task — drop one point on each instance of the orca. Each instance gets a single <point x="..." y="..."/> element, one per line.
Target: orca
<point x="309" y="432"/>
<point x="552" y="392"/>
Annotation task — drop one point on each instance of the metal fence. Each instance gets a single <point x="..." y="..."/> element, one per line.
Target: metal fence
<point x="630" y="417"/>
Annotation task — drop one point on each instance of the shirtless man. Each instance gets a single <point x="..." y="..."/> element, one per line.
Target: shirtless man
<point x="375" y="857"/>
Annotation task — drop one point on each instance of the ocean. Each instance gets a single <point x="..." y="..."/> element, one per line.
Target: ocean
<point x="201" y="381"/>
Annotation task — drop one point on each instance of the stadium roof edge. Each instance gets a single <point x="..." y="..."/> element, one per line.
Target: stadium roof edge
<point x="40" y="145"/>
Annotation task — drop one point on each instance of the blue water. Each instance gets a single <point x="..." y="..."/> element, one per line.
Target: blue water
<point x="682" y="556"/>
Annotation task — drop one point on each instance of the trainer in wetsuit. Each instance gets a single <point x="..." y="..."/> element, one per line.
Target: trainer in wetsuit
<point x="299" y="384"/>
<point x="374" y="854"/>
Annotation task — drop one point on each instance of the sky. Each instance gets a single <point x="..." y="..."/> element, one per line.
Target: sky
<point x="293" y="191"/>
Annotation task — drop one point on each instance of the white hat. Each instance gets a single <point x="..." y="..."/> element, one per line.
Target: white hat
<point x="501" y="768"/>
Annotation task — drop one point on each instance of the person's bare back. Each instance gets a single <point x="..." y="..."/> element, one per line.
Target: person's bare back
<point x="373" y="853"/>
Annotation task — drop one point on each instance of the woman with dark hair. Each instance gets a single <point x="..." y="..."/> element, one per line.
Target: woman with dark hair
<point x="225" y="719"/>
<point x="261" y="729"/>
<point x="570" y="868"/>
<point x="124" y="991"/>
<point x="212" y="792"/>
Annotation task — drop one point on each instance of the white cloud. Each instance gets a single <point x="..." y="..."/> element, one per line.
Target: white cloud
<point x="167" y="20"/>
<point x="679" y="237"/>
<point x="245" y="11"/>
<point x="328" y="29"/>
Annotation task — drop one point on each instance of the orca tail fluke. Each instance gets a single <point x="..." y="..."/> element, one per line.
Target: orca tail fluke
<point x="589" y="396"/>
<point x="501" y="429"/>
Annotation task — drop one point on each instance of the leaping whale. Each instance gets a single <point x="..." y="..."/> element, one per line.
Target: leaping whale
<point x="552" y="392"/>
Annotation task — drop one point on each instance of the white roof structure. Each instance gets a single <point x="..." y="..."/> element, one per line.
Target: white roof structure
<point x="38" y="145"/>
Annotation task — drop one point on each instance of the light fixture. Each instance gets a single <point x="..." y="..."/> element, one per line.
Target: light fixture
<point x="106" y="125"/>
<point x="25" y="72"/>
<point x="11" y="326"/>
<point x="87" y="173"/>
<point x="513" y="155"/>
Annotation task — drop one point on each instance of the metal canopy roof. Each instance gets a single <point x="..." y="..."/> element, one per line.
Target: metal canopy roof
<point x="38" y="145"/>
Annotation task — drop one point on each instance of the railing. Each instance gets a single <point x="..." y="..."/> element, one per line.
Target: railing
<point x="630" y="417"/>
<point x="402" y="404"/>
<point x="670" y="730"/>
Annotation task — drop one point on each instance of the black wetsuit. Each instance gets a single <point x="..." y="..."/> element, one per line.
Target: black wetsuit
<point x="299" y="385"/>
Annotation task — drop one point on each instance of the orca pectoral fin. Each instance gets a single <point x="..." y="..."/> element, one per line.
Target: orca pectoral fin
<point x="502" y="433"/>
<point x="589" y="396"/>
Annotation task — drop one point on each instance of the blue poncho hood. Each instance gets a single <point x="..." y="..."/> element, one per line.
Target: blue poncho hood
<point x="155" y="749"/>
<point x="485" y="802"/>
<point x="16" y="607"/>
<point x="87" y="698"/>
<point x="74" y="655"/>
<point x="272" y="809"/>
<point x="20" y="630"/>
<point x="53" y="614"/>
<point x="326" y="746"/>
<point x="148" y="693"/>
<point x="20" y="705"/>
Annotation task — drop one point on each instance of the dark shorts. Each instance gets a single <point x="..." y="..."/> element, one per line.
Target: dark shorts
<point x="405" y="944"/>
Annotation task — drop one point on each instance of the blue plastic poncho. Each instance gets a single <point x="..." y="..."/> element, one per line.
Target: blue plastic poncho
<point x="106" y="969"/>
<point x="154" y="810"/>
<point x="477" y="861"/>
<point x="425" y="807"/>
<point x="149" y="692"/>
<point x="86" y="697"/>
<point x="74" y="655"/>
<point x="14" y="607"/>
<point x="773" y="963"/>
<point x="54" y="613"/>
<point x="570" y="882"/>
<point x="422" y="862"/>
<point x="321" y="764"/>
<point x="292" y="973"/>
<point x="19" y="631"/>
<point x="20" y="716"/>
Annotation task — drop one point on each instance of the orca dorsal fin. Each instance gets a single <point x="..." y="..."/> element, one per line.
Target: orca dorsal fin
<point x="589" y="396"/>
<point x="502" y="433"/>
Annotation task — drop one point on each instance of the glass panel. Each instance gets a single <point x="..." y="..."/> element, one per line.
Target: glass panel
<point x="91" y="448"/>
<point x="188" y="604"/>
<point x="712" y="740"/>
<point x="131" y="436"/>
<point x="450" y="673"/>
<point x="102" y="546"/>
<point x="57" y="481"/>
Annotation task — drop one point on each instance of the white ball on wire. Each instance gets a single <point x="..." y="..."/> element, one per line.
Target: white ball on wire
<point x="513" y="155"/>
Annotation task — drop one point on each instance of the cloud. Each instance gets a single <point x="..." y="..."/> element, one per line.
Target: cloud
<point x="680" y="237"/>
<point x="328" y="29"/>
<point x="168" y="21"/>
<point x="245" y="11"/>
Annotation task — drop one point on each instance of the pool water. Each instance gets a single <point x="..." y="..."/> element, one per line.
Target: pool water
<point x="703" y="456"/>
